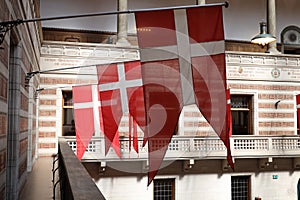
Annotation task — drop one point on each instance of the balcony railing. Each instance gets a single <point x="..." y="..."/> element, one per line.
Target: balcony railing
<point x="75" y="182"/>
<point x="182" y="147"/>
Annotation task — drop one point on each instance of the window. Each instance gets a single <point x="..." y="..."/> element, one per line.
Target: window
<point x="240" y="188"/>
<point x="164" y="189"/>
<point x="241" y="111"/>
<point x="68" y="115"/>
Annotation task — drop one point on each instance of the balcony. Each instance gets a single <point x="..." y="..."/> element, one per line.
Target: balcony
<point x="182" y="148"/>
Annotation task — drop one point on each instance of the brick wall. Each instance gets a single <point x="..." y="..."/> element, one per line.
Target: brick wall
<point x="47" y="122"/>
<point x="3" y="100"/>
<point x="3" y="87"/>
<point x="2" y="161"/>
<point x="3" y="124"/>
<point x="272" y="120"/>
<point x="53" y="34"/>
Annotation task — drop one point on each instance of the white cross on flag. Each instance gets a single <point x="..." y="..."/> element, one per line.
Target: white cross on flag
<point x="121" y="91"/>
<point x="86" y="115"/>
<point x="183" y="62"/>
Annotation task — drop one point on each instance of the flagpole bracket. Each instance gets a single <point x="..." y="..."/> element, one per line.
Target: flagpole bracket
<point x="7" y="26"/>
<point x="28" y="76"/>
<point x="276" y="104"/>
<point x="226" y="4"/>
<point x="37" y="92"/>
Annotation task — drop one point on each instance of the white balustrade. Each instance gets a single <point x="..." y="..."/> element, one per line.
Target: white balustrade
<point x="199" y="147"/>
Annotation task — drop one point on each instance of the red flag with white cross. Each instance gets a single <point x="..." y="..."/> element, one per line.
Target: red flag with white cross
<point x="121" y="92"/>
<point x="86" y="115"/>
<point x="183" y="62"/>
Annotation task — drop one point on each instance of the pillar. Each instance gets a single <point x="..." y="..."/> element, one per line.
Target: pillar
<point x="271" y="17"/>
<point x="13" y="136"/>
<point x="200" y="2"/>
<point x="122" y="23"/>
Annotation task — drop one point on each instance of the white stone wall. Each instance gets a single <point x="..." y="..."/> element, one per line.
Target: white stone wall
<point x="204" y="186"/>
<point x="208" y="187"/>
<point x="285" y="187"/>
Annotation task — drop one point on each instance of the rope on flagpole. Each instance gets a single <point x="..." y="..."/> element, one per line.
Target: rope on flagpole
<point x="5" y="26"/>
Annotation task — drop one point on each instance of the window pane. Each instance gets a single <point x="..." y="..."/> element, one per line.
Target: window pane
<point x="68" y="98"/>
<point x="69" y="124"/>
<point x="164" y="189"/>
<point x="240" y="101"/>
<point x="240" y="188"/>
<point x="241" y="110"/>
<point x="240" y="121"/>
<point x="68" y="114"/>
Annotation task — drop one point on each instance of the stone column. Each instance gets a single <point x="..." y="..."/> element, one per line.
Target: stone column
<point x="30" y="122"/>
<point x="199" y="2"/>
<point x="122" y="23"/>
<point x="271" y="17"/>
<point x="13" y="136"/>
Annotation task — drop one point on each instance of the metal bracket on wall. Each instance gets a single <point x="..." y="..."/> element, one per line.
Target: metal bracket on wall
<point x="7" y="26"/>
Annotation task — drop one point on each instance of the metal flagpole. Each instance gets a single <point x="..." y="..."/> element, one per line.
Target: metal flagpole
<point x="20" y="21"/>
<point x="5" y="26"/>
<point x="38" y="90"/>
<point x="29" y="75"/>
<point x="64" y="86"/>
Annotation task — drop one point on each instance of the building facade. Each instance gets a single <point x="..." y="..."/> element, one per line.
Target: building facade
<point x="264" y="86"/>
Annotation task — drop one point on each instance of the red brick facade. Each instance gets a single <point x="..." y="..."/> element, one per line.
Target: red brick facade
<point x="3" y="124"/>
<point x="47" y="145"/>
<point x="2" y="160"/>
<point x="3" y="88"/>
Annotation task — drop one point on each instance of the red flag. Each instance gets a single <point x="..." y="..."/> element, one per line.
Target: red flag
<point x="229" y="132"/>
<point x="86" y="115"/>
<point x="133" y="138"/>
<point x="229" y="120"/>
<point x="121" y="92"/>
<point x="183" y="62"/>
<point x="116" y="144"/>
<point x="298" y="113"/>
<point x="130" y="126"/>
